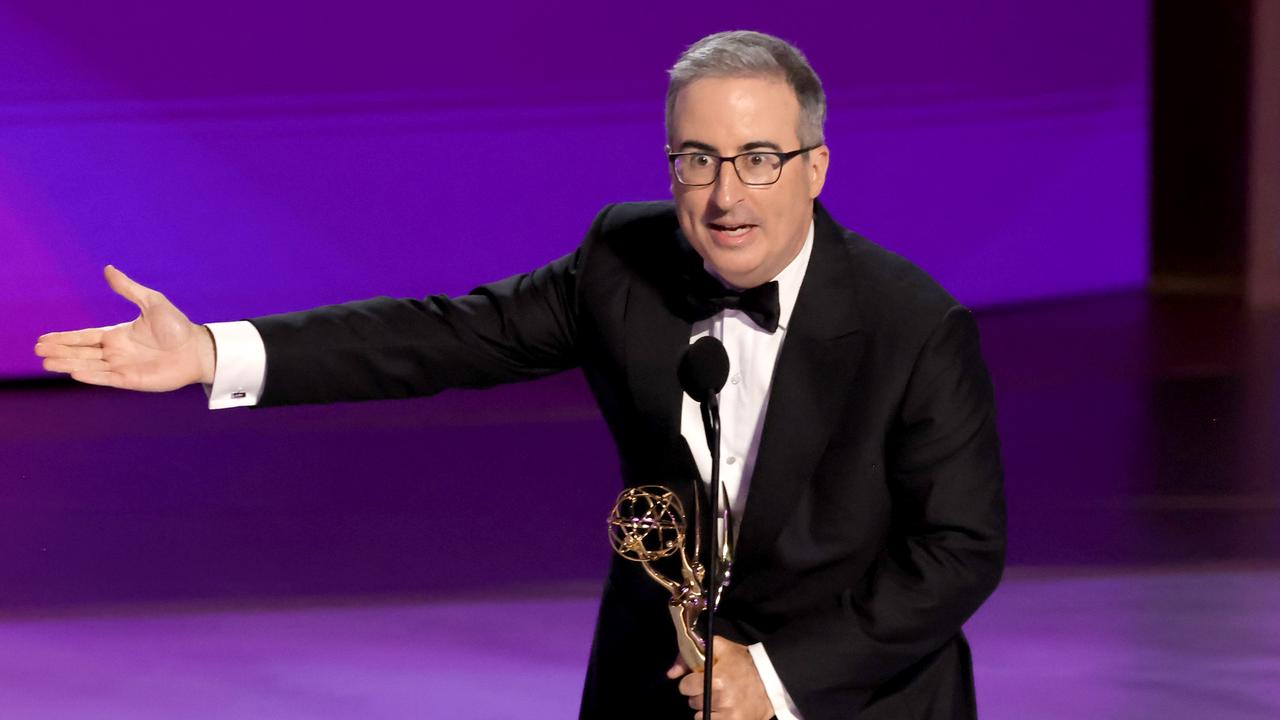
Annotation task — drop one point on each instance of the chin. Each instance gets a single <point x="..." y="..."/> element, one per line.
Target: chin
<point x="734" y="270"/>
<point x="734" y="265"/>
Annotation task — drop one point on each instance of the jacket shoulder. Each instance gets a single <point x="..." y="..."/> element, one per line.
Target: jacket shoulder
<point x="637" y="238"/>
<point x="637" y="217"/>
<point x="892" y="293"/>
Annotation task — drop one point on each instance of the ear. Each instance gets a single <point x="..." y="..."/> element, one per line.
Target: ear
<point x="819" y="159"/>
<point x="671" y="172"/>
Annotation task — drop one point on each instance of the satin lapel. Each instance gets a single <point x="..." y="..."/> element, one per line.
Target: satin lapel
<point x="656" y="338"/>
<point x="811" y="383"/>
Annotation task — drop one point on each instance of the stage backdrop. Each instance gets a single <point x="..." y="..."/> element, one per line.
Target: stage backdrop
<point x="250" y="157"/>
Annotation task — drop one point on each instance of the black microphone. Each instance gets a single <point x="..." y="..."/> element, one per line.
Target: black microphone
<point x="702" y="372"/>
<point x="703" y="369"/>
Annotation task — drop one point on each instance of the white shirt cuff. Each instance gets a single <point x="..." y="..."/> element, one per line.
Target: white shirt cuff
<point x="241" y="366"/>
<point x="783" y="707"/>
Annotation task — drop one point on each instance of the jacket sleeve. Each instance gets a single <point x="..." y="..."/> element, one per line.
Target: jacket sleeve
<point x="945" y="553"/>
<point x="520" y="328"/>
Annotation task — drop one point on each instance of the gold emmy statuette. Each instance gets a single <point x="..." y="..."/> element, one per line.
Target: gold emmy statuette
<point x="648" y="524"/>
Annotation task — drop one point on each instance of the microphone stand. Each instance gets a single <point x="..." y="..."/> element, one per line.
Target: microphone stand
<point x="702" y="372"/>
<point x="710" y="552"/>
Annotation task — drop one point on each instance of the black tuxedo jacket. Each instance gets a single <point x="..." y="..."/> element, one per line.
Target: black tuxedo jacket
<point x="874" y="525"/>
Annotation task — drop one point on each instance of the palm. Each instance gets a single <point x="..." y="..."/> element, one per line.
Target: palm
<point x="159" y="350"/>
<point x="151" y="352"/>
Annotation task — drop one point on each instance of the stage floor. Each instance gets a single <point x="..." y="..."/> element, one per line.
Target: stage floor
<point x="1189" y="644"/>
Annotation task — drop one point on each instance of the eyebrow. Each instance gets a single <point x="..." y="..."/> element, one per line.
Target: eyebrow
<point x="695" y="145"/>
<point x="688" y="145"/>
<point x="757" y="144"/>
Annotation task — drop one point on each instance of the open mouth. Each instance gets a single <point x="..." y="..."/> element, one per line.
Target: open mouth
<point x="730" y="231"/>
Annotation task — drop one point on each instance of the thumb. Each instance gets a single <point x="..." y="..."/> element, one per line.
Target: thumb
<point x="126" y="287"/>
<point x="677" y="669"/>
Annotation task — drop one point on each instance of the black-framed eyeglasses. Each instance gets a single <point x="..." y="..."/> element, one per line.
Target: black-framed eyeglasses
<point x="754" y="167"/>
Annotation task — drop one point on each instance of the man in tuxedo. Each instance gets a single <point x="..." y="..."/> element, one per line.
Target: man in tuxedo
<point x="859" y="453"/>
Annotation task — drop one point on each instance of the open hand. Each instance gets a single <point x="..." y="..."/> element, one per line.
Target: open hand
<point x="159" y="350"/>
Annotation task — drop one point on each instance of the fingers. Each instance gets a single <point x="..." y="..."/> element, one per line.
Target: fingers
<point x="691" y="686"/>
<point x="127" y="288"/>
<point x="73" y="365"/>
<point x="93" y="371"/>
<point x="74" y="352"/>
<point x="718" y="703"/>
<point x="88" y="336"/>
<point x="98" y="377"/>
<point x="678" y="669"/>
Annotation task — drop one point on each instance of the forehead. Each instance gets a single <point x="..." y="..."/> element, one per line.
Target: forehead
<point x="728" y="112"/>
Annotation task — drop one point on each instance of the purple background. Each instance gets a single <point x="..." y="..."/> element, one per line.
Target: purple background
<point x="159" y="560"/>
<point x="248" y="159"/>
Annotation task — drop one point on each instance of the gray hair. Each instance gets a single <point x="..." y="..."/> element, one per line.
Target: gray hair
<point x="745" y="53"/>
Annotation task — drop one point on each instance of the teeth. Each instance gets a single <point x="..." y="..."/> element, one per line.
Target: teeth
<point x="733" y="230"/>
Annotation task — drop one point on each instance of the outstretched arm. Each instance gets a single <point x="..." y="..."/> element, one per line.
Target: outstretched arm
<point x="159" y="350"/>
<point x="515" y="329"/>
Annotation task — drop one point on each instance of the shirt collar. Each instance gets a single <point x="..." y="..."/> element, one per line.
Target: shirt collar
<point x="789" y="279"/>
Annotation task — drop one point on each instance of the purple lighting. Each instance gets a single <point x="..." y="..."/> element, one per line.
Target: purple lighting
<point x="262" y="158"/>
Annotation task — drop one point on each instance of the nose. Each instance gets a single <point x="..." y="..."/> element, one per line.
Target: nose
<point x="727" y="190"/>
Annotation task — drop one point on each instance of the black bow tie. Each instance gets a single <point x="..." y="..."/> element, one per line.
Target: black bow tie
<point x="759" y="303"/>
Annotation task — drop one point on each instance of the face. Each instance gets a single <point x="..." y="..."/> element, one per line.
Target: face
<point x="746" y="234"/>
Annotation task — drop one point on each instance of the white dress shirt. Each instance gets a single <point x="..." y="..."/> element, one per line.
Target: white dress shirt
<point x="241" y="371"/>
<point x="753" y="352"/>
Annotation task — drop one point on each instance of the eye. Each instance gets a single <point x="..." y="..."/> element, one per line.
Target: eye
<point x="758" y="160"/>
<point x="700" y="160"/>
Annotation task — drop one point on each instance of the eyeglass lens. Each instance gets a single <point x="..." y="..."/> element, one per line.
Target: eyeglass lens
<point x="752" y="168"/>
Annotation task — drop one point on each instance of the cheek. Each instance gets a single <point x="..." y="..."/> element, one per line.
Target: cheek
<point x="796" y="203"/>
<point x="689" y="208"/>
<point x="687" y="216"/>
